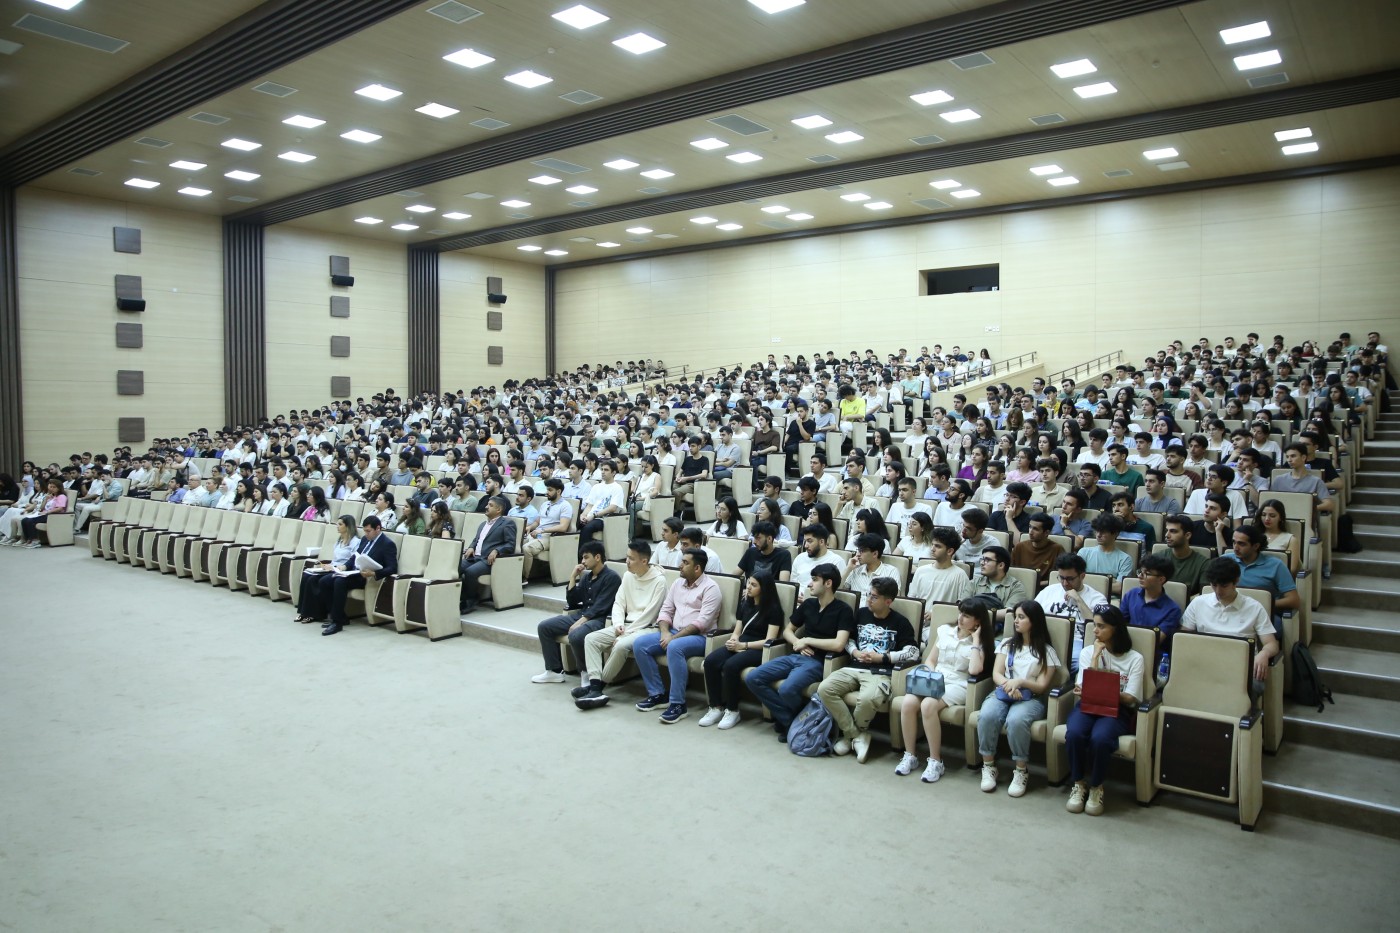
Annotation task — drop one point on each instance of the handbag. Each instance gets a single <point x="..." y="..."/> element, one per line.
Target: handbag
<point x="924" y="681"/>
<point x="1010" y="672"/>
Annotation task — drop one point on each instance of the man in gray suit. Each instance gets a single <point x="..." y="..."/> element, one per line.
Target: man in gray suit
<point x="495" y="538"/>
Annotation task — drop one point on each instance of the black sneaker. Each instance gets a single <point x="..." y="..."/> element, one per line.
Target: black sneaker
<point x="578" y="692"/>
<point x="674" y="713"/>
<point x="594" y="699"/>
<point x="651" y="703"/>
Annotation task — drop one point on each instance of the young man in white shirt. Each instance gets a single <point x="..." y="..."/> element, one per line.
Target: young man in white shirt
<point x="993" y="489"/>
<point x="865" y="565"/>
<point x="940" y="581"/>
<point x="1218" y="479"/>
<point x="1221" y="610"/>
<point x="1069" y="597"/>
<point x="826" y="482"/>
<point x="667" y="553"/>
<point x="814" y="553"/>
<point x="902" y="510"/>
<point x="606" y="498"/>
<point x="950" y="511"/>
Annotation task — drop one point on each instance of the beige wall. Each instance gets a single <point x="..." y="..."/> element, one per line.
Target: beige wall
<point x="462" y="290"/>
<point x="68" y="315"/>
<point x="1306" y="258"/>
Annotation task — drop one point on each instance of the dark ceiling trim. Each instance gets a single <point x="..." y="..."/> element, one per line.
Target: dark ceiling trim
<point x="1203" y="184"/>
<point x="972" y="31"/>
<point x="1341" y="93"/>
<point x="269" y="36"/>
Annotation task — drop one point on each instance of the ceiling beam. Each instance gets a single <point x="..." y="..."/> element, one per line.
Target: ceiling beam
<point x="271" y="35"/>
<point x="936" y="40"/>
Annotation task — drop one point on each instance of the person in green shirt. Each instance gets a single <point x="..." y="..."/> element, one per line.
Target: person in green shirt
<point x="1188" y="564"/>
<point x="1134" y="528"/>
<point x="1119" y="473"/>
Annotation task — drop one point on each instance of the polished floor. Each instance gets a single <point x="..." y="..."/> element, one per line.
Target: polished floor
<point x="179" y="758"/>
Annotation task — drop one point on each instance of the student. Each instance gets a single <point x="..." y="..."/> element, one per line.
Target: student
<point x="1223" y="611"/>
<point x="1105" y="556"/>
<point x="958" y="652"/>
<point x="1035" y="551"/>
<point x="317" y="575"/>
<point x="1025" y="664"/>
<point x="764" y="556"/>
<point x="940" y="580"/>
<point x="1188" y="564"/>
<point x="865" y="567"/>
<point x="917" y="542"/>
<point x="1092" y="739"/>
<point x="1149" y="606"/>
<point x="727" y="522"/>
<point x="760" y="617"/>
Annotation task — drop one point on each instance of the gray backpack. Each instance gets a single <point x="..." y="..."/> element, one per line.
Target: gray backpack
<point x="810" y="733"/>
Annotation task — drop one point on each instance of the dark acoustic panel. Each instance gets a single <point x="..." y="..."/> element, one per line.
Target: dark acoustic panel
<point x="131" y="430"/>
<point x="129" y="336"/>
<point x="340" y="265"/>
<point x="340" y="306"/>
<point x="424" y="322"/>
<point x="495" y="355"/>
<point x="493" y="284"/>
<point x="131" y="382"/>
<point x="126" y="239"/>
<point x="245" y="325"/>
<point x="494" y="320"/>
<point x="340" y="387"/>
<point x="128" y="286"/>
<point x="340" y="346"/>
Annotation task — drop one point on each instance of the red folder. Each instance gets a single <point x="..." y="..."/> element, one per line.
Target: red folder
<point x="1098" y="694"/>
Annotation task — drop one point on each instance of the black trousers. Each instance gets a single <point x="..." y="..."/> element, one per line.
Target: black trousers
<point x="724" y="671"/>
<point x="587" y="532"/>
<point x="315" y="599"/>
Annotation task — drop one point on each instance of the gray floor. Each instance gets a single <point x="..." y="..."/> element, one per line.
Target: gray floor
<point x="183" y="758"/>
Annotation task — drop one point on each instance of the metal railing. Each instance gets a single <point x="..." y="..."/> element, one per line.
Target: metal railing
<point x="1092" y="367"/>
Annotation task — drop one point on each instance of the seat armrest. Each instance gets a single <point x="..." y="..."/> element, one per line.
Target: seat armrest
<point x="1064" y="689"/>
<point x="1150" y="703"/>
<point x="1252" y="718"/>
<point x="775" y="649"/>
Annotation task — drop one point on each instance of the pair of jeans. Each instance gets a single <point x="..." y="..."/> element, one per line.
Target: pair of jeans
<point x="647" y="648"/>
<point x="1091" y="741"/>
<point x="1017" y="717"/>
<point x="797" y="672"/>
<point x="723" y="669"/>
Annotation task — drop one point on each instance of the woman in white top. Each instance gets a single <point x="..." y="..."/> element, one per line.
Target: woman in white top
<point x="727" y="520"/>
<point x="914" y="438"/>
<point x="958" y="652"/>
<point x="354" y="491"/>
<point x="1025" y="665"/>
<point x="1274" y="520"/>
<point x="1264" y="442"/>
<point x="276" y="500"/>
<point x="1092" y="738"/>
<point x="917" y="543"/>
<point x="346" y="544"/>
<point x="384" y="511"/>
<point x="647" y="486"/>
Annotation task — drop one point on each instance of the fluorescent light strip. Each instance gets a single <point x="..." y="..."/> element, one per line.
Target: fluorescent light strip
<point x="303" y="121"/>
<point x="776" y="6"/>
<point x="515" y="203"/>
<point x="945" y="184"/>
<point x="582" y="189"/>
<point x="529" y="248"/>
<point x="546" y="180"/>
<point x="776" y="209"/>
<point x="420" y="209"/>
<point x="799" y="216"/>
<point x="639" y="43"/>
<point x="966" y="193"/>
<point x="1064" y="180"/>
<point x="877" y="206"/>
<point x="961" y="116"/>
<point x="368" y="221"/>
<point x="196" y="192"/>
<point x="1237" y="34"/>
<point x="455" y="215"/>
<point x="243" y="145"/>
<point x="845" y="136"/>
<point x="468" y="58"/>
<point x="1258" y="60"/>
<point x="404" y="227"/>
<point x="929" y="98"/>
<point x="580" y="17"/>
<point x="292" y="155"/>
<point x="1303" y="132"/>
<point x="638" y="231"/>
<point x="704" y="220"/>
<point x="855" y="198"/>
<point x="744" y="158"/>
<point x="814" y="122"/>
<point x="620" y="165"/>
<point x="1102" y="89"/>
<point x="1080" y="66"/>
<point x="556" y="252"/>
<point x="378" y="92"/>
<point x="528" y="79"/>
<point x="240" y="175"/>
<point x="1299" y="148"/>
<point x="440" y="111"/>
<point x="658" y="174"/>
<point x="1046" y="170"/>
<point x="185" y="165"/>
<point x="729" y="227"/>
<point x="710" y="143"/>
<point x="608" y="244"/>
<point x="360" y="136"/>
<point x="1164" y="153"/>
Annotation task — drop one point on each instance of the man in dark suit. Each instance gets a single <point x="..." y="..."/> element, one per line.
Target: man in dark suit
<point x="495" y="538"/>
<point x="378" y="548"/>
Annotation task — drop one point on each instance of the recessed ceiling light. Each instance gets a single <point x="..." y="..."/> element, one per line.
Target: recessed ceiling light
<point x="966" y="193"/>
<point x="1173" y="166"/>
<point x="556" y="252"/>
<point x="1063" y="180"/>
<point x="710" y="142"/>
<point x="1080" y="66"/>
<point x="142" y="183"/>
<point x="360" y="136"/>
<point x="776" y="6"/>
<point x="776" y="209"/>
<point x="1303" y="132"/>
<point x="243" y="145"/>
<point x="845" y="136"/>
<point x="303" y="121"/>
<point x="240" y="175"/>
<point x="744" y="157"/>
<point x="369" y="221"/>
<point x="581" y="189"/>
<point x="639" y="43"/>
<point x="704" y="220"/>
<point x="546" y="180"/>
<point x="580" y="17"/>
<point x="1164" y="153"/>
<point x="528" y="78"/>
<point x="62" y="4"/>
<point x="620" y="165"/>
<point x="196" y="192"/>
<point x="468" y="58"/>
<point x="728" y="227"/>
<point x="420" y="208"/>
<point x="878" y="206"/>
<point x="639" y="230"/>
<point x="405" y="227"/>
<point x="856" y="197"/>
<point x="437" y="110"/>
<point x="944" y="184"/>
<point x="960" y="116"/>
<point x="455" y="215"/>
<point x="1237" y="34"/>
<point x="814" y="122"/>
<point x="529" y="248"/>
<point x="291" y="155"/>
<point x="378" y="92"/>
<point x="1046" y="170"/>
<point x="185" y="165"/>
<point x="1258" y="60"/>
<point x="515" y="203"/>
<point x="1096" y="90"/>
<point x="608" y="244"/>
<point x="799" y="216"/>
<point x="1299" y="148"/>
<point x="657" y="173"/>
<point x="929" y="98"/>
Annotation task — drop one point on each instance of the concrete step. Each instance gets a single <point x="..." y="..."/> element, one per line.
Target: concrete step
<point x="1336" y="787"/>
<point x="1382" y="516"/>
<point x="1363" y="725"/>
<point x="1374" y="460"/>
<point x="1356" y="628"/>
<point x="1367" y="496"/>
<point x="1366" y="672"/>
<point x="1385" y="447"/>
<point x="1363" y="592"/>
<point x="1376" y="479"/>
<point x="1367" y="563"/>
<point x="1377" y="537"/>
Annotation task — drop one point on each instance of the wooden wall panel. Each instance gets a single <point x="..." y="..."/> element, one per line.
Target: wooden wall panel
<point x="464" y="308"/>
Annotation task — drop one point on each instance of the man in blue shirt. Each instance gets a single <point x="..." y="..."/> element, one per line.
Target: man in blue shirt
<point x="1071" y="520"/>
<point x="1149" y="606"/>
<point x="524" y="508"/>
<point x="1264" y="572"/>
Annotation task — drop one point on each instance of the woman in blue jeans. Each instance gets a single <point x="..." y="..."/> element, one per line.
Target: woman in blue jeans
<point x="1091" y="739"/>
<point x="1025" y="666"/>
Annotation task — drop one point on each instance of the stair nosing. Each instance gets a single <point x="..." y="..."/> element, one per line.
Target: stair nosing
<point x="1327" y="795"/>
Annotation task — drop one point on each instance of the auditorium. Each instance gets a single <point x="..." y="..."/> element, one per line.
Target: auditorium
<point x="469" y="454"/>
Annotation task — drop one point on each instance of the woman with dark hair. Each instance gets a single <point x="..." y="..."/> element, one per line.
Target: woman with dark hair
<point x="321" y="574"/>
<point x="337" y="488"/>
<point x="317" y="509"/>
<point x="243" y="496"/>
<point x="727" y="520"/>
<point x="1025" y="665"/>
<point x="440" y="520"/>
<point x="917" y="545"/>
<point x="760" y="617"/>
<point x="975" y="470"/>
<point x="1092" y="738"/>
<point x="1023" y="468"/>
<point x="867" y="521"/>
<point x="771" y="511"/>
<point x="819" y="513"/>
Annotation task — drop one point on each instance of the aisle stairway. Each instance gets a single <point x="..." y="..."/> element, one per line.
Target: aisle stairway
<point x="1342" y="765"/>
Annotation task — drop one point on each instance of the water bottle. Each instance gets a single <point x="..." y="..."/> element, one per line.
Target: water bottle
<point x="1164" y="668"/>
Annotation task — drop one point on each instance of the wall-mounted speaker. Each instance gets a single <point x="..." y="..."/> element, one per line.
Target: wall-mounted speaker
<point x="495" y="290"/>
<point x="495" y="299"/>
<point x="128" y="292"/>
<point x="131" y="304"/>
<point x="340" y="271"/>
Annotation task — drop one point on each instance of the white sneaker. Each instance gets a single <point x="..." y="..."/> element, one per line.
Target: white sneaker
<point x="730" y="720"/>
<point x="861" y="744"/>
<point x="712" y="715"/>
<point x="547" y="677"/>
<point x="842" y="746"/>
<point x="1020" y="778"/>
<point x="933" y="772"/>
<point x="1094" y="805"/>
<point x="906" y="764"/>
<point x="989" y="778"/>
<point x="1077" y="795"/>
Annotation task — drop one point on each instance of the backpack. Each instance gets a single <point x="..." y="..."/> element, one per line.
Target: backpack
<point x="1308" y="687"/>
<point x="810" y="733"/>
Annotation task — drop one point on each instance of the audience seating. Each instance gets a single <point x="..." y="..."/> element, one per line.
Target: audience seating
<point x="1061" y="631"/>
